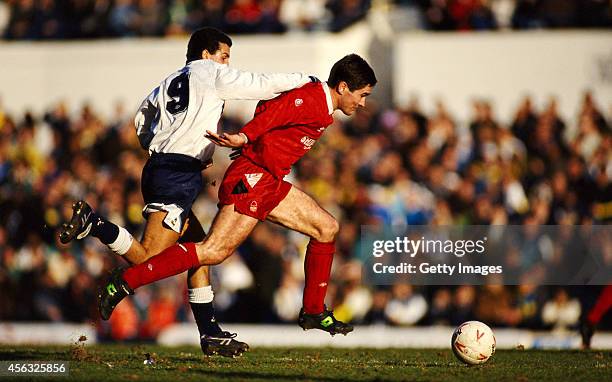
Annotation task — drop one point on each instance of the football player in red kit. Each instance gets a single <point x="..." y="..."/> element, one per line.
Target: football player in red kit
<point x="282" y="131"/>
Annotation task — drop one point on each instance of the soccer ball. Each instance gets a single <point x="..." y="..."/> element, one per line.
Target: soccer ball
<point x="473" y="342"/>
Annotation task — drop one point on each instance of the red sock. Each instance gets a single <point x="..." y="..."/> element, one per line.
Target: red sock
<point x="171" y="261"/>
<point x="317" y="269"/>
<point x="603" y="304"/>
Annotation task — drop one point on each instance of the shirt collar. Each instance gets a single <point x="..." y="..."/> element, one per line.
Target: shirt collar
<point x="330" y="105"/>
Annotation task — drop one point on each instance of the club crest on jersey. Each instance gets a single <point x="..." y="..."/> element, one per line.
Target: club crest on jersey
<point x="253" y="206"/>
<point x="252" y="179"/>
<point x="299" y="102"/>
<point x="308" y="142"/>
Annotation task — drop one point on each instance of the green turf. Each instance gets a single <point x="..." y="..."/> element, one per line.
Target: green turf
<point x="125" y="363"/>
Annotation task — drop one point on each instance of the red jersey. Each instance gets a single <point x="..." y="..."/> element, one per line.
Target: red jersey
<point x="286" y="127"/>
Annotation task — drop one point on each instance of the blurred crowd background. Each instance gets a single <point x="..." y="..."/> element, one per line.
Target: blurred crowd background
<point x="84" y="19"/>
<point x="385" y="165"/>
<point x="398" y="165"/>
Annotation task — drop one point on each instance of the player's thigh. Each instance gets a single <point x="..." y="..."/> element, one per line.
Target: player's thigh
<point x="229" y="229"/>
<point x="156" y="236"/>
<point x="301" y="213"/>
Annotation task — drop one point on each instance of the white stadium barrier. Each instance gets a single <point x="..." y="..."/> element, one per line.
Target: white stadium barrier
<point x="36" y="75"/>
<point x="503" y="68"/>
<point x="379" y="337"/>
<point x="455" y="67"/>
<point x="45" y="333"/>
<point x="292" y="336"/>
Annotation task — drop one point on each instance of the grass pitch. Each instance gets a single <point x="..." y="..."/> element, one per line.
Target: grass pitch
<point x="125" y="363"/>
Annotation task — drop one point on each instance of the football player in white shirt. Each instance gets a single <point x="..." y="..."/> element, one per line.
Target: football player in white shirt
<point x="171" y="125"/>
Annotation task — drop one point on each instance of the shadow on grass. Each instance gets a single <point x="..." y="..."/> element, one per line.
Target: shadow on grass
<point x="33" y="355"/>
<point x="245" y="375"/>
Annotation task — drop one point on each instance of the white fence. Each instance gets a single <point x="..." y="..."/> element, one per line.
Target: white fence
<point x="45" y="333"/>
<point x="454" y="67"/>
<point x="293" y="336"/>
<point x="504" y="67"/>
<point x="36" y="75"/>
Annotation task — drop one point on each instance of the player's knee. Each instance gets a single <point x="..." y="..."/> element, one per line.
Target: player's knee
<point x="328" y="231"/>
<point x="211" y="254"/>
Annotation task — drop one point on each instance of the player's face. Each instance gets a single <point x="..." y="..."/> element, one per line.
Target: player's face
<point x="351" y="100"/>
<point x="222" y="55"/>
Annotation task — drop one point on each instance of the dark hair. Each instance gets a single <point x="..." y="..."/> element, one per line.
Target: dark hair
<point x="353" y="70"/>
<point x="205" y="39"/>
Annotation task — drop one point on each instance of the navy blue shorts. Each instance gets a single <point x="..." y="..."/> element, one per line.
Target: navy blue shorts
<point x="171" y="183"/>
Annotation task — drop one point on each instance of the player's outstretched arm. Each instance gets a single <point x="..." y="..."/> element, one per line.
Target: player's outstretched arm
<point x="238" y="84"/>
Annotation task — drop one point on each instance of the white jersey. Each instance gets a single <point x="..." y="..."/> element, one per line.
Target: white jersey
<point x="175" y="116"/>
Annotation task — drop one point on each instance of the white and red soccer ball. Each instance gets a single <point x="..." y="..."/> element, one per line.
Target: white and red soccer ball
<point x="473" y="342"/>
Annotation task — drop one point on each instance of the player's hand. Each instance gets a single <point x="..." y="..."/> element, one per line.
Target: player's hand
<point x="227" y="140"/>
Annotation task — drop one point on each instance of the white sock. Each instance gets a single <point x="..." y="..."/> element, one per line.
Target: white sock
<point x="201" y="295"/>
<point x="122" y="244"/>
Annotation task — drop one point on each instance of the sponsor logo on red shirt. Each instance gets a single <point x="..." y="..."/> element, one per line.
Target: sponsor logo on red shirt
<point x="308" y="142"/>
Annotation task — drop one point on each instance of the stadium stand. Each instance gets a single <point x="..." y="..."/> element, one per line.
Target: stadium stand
<point x="89" y="19"/>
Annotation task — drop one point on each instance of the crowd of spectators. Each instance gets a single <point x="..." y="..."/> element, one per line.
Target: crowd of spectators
<point x="83" y="19"/>
<point x="399" y="166"/>
<point x="516" y="14"/>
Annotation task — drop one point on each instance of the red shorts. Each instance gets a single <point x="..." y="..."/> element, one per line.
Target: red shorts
<point x="251" y="189"/>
